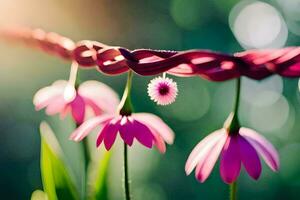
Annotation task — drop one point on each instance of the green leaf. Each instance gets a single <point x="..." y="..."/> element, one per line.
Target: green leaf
<point x="98" y="182"/>
<point x="57" y="182"/>
<point x="39" y="195"/>
<point x="73" y="154"/>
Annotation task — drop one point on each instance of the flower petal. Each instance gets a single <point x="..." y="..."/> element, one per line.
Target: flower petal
<point x="230" y="160"/>
<point x="159" y="142"/>
<point x="85" y="128"/>
<point x="57" y="105"/>
<point x="100" y="94"/>
<point x="143" y="134"/>
<point x="207" y="163"/>
<point x="249" y="158"/>
<point x="78" y="109"/>
<point x="110" y="133"/>
<point x="263" y="147"/>
<point x="157" y="124"/>
<point x="202" y="148"/>
<point x="46" y="95"/>
<point x="127" y="130"/>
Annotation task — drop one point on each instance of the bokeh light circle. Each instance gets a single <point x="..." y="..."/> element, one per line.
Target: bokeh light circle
<point x="269" y="118"/>
<point x="262" y="93"/>
<point x="258" y="25"/>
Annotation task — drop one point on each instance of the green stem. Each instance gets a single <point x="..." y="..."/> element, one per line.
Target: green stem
<point x="87" y="159"/>
<point x="125" y="106"/>
<point x="86" y="153"/>
<point x="233" y="124"/>
<point x="126" y="175"/>
<point x="233" y="191"/>
<point x="237" y="96"/>
<point x="126" y="109"/>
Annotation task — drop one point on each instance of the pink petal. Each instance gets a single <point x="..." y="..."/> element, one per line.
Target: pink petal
<point x="109" y="133"/>
<point x="143" y="134"/>
<point x="159" y="142"/>
<point x="157" y="124"/>
<point x="57" y="105"/>
<point x="127" y="130"/>
<point x="230" y="160"/>
<point x="249" y="158"/>
<point x="46" y="95"/>
<point x="202" y="148"/>
<point x="207" y="163"/>
<point x="95" y="108"/>
<point x="263" y="147"/>
<point x="100" y="94"/>
<point x="78" y="109"/>
<point x="65" y="111"/>
<point x="84" y="129"/>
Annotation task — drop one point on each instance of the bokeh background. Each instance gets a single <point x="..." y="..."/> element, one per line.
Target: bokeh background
<point x="271" y="106"/>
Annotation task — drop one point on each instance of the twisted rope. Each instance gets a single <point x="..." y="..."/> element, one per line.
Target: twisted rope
<point x="214" y="66"/>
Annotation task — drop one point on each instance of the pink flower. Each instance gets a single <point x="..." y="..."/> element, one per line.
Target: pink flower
<point x="163" y="91"/>
<point x="61" y="97"/>
<point x="241" y="148"/>
<point x="146" y="128"/>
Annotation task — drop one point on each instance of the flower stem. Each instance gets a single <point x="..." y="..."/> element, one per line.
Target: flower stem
<point x="233" y="191"/>
<point x="126" y="175"/>
<point x="125" y="106"/>
<point x="237" y="96"/>
<point x="87" y="159"/>
<point x="86" y="153"/>
<point x="232" y="123"/>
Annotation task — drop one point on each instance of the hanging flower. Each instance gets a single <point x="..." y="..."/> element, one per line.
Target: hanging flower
<point x="62" y="97"/>
<point x="146" y="128"/>
<point x="243" y="147"/>
<point x="162" y="90"/>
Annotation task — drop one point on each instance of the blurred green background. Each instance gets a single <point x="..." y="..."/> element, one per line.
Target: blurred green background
<point x="271" y="107"/>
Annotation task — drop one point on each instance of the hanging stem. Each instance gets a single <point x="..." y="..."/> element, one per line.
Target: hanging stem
<point x="126" y="175"/>
<point x="86" y="153"/>
<point x="237" y="96"/>
<point x="87" y="159"/>
<point x="232" y="123"/>
<point x="233" y="191"/>
<point x="126" y="109"/>
<point x="125" y="106"/>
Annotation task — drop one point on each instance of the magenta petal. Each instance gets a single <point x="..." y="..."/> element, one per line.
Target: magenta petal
<point x="249" y="158"/>
<point x="101" y="136"/>
<point x="78" y="109"/>
<point x="85" y="128"/>
<point x="202" y="149"/>
<point x="157" y="124"/>
<point x="263" y="147"/>
<point x="127" y="130"/>
<point x="230" y="165"/>
<point x="207" y="163"/>
<point x="110" y="133"/>
<point x="143" y="134"/>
